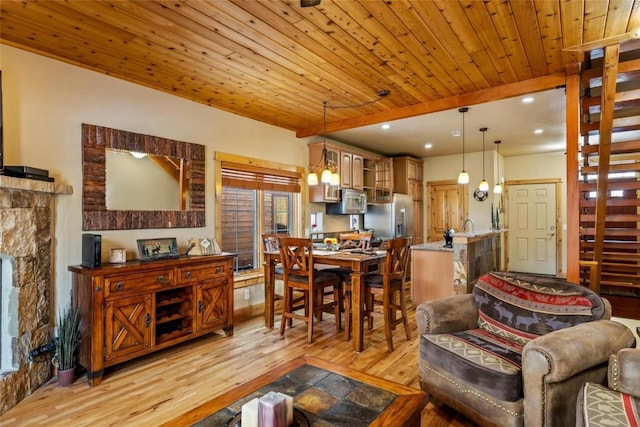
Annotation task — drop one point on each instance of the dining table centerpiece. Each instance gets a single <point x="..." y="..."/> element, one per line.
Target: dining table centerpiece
<point x="331" y="243"/>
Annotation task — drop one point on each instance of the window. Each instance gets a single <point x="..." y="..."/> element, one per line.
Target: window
<point x="255" y="200"/>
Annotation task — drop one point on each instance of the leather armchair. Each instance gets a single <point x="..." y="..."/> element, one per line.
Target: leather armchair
<point x="554" y="365"/>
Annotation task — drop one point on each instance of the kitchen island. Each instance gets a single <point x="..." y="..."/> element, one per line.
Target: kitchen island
<point x="439" y="272"/>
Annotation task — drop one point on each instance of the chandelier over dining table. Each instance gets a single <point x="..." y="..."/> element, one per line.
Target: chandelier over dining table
<point x="328" y="173"/>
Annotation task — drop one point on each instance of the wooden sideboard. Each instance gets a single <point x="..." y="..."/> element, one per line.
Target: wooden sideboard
<point x="133" y="309"/>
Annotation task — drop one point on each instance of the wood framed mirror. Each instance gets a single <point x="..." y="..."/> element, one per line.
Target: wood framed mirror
<point x="183" y="161"/>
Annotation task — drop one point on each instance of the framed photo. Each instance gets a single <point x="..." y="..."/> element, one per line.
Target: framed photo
<point x="152" y="249"/>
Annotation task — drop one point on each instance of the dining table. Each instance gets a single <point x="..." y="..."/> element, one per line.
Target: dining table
<point x="360" y="263"/>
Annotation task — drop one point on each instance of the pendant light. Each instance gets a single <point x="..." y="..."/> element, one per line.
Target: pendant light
<point x="484" y="185"/>
<point x="498" y="188"/>
<point x="463" y="177"/>
<point x="328" y="174"/>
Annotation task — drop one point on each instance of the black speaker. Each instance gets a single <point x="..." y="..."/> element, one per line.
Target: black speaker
<point x="91" y="250"/>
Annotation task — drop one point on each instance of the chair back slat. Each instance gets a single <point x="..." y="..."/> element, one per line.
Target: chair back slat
<point x="271" y="241"/>
<point x="355" y="240"/>
<point x="397" y="258"/>
<point x="296" y="255"/>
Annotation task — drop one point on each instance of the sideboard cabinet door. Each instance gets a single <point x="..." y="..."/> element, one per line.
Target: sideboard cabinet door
<point x="128" y="325"/>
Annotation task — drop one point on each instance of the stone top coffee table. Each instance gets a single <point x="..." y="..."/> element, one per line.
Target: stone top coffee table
<point x="326" y="393"/>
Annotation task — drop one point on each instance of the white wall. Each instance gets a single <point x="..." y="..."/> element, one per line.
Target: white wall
<point x="45" y="103"/>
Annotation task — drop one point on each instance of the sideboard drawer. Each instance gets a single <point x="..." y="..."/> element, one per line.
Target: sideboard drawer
<point x="200" y="272"/>
<point x="148" y="281"/>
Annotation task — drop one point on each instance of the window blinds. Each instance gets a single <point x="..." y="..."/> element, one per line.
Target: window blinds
<point x="259" y="178"/>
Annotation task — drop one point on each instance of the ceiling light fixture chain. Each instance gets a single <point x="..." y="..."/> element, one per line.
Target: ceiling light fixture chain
<point x="329" y="172"/>
<point x="463" y="177"/>
<point x="497" y="189"/>
<point x="484" y="185"/>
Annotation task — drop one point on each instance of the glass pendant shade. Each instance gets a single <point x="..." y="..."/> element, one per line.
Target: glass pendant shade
<point x="484" y="185"/>
<point x="463" y="178"/>
<point x="325" y="178"/>
<point x="497" y="189"/>
<point x="312" y="178"/>
<point x="335" y="179"/>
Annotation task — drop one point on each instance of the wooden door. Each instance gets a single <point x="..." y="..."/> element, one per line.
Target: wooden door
<point x="212" y="304"/>
<point x="532" y="228"/>
<point x="448" y="206"/>
<point x="128" y="326"/>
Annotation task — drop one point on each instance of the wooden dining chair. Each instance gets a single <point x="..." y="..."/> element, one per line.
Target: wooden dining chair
<point x="271" y="243"/>
<point x="389" y="284"/>
<point x="296" y="255"/>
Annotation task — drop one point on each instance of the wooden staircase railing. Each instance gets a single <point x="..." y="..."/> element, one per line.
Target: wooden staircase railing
<point x="610" y="171"/>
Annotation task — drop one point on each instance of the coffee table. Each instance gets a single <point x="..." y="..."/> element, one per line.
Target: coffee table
<point x="326" y="393"/>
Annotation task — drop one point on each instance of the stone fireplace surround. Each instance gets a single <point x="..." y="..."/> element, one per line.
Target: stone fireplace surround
<point x="27" y="216"/>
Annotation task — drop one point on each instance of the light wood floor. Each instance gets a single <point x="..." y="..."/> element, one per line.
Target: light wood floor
<point x="157" y="388"/>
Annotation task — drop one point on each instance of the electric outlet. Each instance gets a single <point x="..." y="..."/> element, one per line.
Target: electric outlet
<point x="247" y="293"/>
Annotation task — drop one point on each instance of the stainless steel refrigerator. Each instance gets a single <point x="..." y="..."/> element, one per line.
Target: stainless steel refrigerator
<point x="391" y="220"/>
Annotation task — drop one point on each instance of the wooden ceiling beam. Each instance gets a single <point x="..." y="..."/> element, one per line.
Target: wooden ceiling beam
<point x="485" y="95"/>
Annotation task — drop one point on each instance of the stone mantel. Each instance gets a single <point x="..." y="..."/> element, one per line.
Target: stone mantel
<point x="23" y="184"/>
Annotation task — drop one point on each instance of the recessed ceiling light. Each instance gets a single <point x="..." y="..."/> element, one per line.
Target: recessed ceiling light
<point x="527" y="99"/>
<point x="428" y="146"/>
<point x="385" y="126"/>
<point x="538" y="131"/>
<point x="456" y="133"/>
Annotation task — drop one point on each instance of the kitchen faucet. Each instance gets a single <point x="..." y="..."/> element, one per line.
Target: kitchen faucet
<point x="464" y="225"/>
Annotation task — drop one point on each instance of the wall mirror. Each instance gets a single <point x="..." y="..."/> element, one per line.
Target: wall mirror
<point x="163" y="188"/>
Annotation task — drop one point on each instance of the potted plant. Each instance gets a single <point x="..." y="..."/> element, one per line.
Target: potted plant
<point x="66" y="344"/>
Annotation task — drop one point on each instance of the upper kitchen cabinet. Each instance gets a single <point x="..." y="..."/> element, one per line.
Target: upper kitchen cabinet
<point x="351" y="170"/>
<point x="368" y="178"/>
<point x="407" y="176"/>
<point x="355" y="167"/>
<point x="383" y="180"/>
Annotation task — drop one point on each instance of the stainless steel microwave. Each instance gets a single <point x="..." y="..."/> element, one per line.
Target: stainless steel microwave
<point x="351" y="202"/>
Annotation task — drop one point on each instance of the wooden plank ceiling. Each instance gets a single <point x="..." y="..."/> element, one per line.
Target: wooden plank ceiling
<point x="276" y="62"/>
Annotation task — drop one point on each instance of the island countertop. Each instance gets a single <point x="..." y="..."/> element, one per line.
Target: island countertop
<point x="476" y="235"/>
<point x="432" y="246"/>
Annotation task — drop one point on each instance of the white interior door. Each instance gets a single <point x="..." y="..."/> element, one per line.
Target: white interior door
<point x="532" y="228"/>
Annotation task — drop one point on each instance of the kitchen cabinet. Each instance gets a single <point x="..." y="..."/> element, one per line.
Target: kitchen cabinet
<point x="357" y="172"/>
<point x="407" y="176"/>
<point x="346" y="169"/>
<point x="383" y="180"/>
<point x="133" y="309"/>
<point x="351" y="170"/>
<point x="355" y="169"/>
<point x="368" y="177"/>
